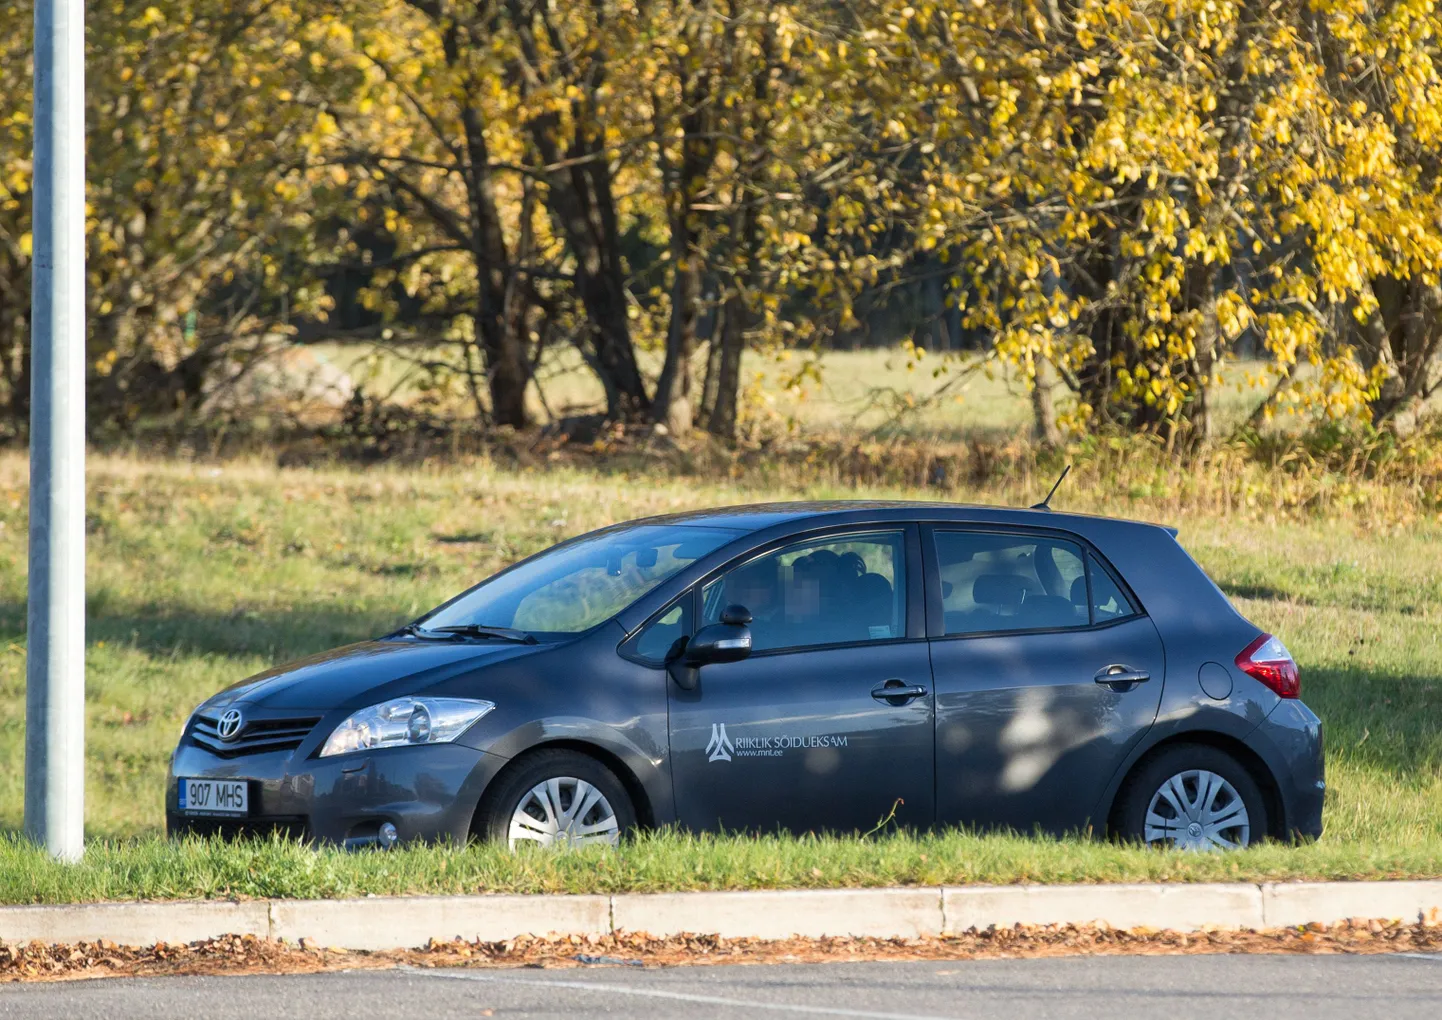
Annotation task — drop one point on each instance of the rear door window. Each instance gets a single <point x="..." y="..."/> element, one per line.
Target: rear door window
<point x="993" y="582"/>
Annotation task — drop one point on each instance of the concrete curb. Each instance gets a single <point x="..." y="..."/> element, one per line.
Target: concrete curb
<point x="405" y="921"/>
<point x="1292" y="903"/>
<point x="781" y="913"/>
<point x="135" y="924"/>
<point x="1183" y="907"/>
<point x="385" y="922"/>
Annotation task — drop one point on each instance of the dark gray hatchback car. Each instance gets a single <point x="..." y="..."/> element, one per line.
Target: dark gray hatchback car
<point x="803" y="667"/>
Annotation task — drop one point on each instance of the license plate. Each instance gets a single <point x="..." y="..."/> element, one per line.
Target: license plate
<point x="214" y="797"/>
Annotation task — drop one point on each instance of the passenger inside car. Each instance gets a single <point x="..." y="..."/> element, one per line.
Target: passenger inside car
<point x="818" y="594"/>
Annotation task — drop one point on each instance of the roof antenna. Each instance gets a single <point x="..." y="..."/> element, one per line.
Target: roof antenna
<point x="1045" y="504"/>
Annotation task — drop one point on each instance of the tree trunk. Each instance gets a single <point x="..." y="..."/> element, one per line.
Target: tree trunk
<point x="1095" y="376"/>
<point x="1045" y="428"/>
<point x="14" y="340"/>
<point x="672" y="406"/>
<point x="734" y="317"/>
<point x="736" y="312"/>
<point x="582" y="203"/>
<point x="15" y="374"/>
<point x="1202" y="296"/>
<point x="602" y="288"/>
<point x="712" y="386"/>
<point x="1404" y="336"/>
<point x="20" y="388"/>
<point x="507" y="372"/>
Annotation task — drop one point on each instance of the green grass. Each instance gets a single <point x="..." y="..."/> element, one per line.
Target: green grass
<point x="155" y="869"/>
<point x="200" y="574"/>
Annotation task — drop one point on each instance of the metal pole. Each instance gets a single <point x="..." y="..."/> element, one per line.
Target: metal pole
<point x="55" y="656"/>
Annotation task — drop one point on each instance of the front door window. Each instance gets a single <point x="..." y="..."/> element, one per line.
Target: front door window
<point x="839" y="590"/>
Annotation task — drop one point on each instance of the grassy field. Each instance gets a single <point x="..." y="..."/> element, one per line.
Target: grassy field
<point x="202" y="573"/>
<point x="876" y="390"/>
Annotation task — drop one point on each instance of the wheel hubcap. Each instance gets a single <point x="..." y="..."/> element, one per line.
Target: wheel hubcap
<point x="1198" y="810"/>
<point x="563" y="812"/>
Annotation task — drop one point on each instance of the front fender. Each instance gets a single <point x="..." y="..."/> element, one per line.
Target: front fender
<point x="647" y="767"/>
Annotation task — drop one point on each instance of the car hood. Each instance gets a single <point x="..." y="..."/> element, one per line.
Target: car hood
<point x="362" y="673"/>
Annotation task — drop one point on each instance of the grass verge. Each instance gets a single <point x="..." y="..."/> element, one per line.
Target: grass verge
<point x="155" y="869"/>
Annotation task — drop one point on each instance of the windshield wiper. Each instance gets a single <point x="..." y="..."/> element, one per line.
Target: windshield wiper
<point x="478" y="630"/>
<point x="468" y="630"/>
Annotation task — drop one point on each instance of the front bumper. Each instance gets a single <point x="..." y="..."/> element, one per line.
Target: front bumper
<point x="428" y="793"/>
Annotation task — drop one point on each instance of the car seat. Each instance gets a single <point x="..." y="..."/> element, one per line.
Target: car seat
<point x="875" y="606"/>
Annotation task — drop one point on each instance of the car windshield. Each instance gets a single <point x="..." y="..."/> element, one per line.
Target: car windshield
<point x="576" y="585"/>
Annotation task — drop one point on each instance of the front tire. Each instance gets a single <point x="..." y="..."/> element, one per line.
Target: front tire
<point x="1193" y="797"/>
<point x="556" y="799"/>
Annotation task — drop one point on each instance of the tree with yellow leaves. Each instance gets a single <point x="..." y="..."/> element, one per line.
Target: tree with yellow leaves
<point x="192" y="196"/>
<point x="1136" y="186"/>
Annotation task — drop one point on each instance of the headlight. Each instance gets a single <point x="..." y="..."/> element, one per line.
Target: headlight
<point x="405" y="721"/>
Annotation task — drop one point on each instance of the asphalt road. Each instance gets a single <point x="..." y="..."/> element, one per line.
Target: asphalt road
<point x="1177" y="987"/>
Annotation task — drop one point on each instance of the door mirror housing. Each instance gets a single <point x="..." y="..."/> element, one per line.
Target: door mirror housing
<point x="720" y="642"/>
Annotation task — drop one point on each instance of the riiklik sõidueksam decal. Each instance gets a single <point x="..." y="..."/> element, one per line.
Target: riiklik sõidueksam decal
<point x="723" y="747"/>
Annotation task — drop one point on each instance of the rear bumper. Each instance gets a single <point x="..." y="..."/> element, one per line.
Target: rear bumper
<point x="428" y="793"/>
<point x="1291" y="739"/>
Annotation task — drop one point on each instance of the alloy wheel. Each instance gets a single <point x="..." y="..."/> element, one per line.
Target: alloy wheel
<point x="1198" y="810"/>
<point x="563" y="812"/>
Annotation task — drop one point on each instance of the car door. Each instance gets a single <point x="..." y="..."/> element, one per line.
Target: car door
<point x="803" y="735"/>
<point x="1046" y="673"/>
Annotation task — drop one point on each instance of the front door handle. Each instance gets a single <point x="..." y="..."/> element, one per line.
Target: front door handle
<point x="1119" y="677"/>
<point x="897" y="692"/>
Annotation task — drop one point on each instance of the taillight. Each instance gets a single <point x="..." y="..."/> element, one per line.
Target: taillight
<point x="1267" y="659"/>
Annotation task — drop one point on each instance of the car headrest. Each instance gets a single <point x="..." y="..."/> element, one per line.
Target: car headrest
<point x="998" y="590"/>
<point x="873" y="586"/>
<point x="1079" y="591"/>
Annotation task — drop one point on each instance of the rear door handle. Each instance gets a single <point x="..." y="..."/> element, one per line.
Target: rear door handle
<point x="897" y="692"/>
<point x="1124" y="677"/>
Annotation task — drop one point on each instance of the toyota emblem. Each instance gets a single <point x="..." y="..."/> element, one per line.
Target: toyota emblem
<point x="229" y="725"/>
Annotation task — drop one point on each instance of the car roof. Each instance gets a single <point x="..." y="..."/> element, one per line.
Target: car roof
<point x="752" y="517"/>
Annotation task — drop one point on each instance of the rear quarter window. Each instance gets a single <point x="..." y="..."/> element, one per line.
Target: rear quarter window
<point x="1108" y="600"/>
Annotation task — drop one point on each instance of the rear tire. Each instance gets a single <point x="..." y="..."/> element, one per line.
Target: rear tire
<point x="556" y="799"/>
<point x="1193" y="797"/>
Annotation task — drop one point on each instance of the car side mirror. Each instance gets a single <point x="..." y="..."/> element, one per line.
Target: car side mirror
<point x="720" y="642"/>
